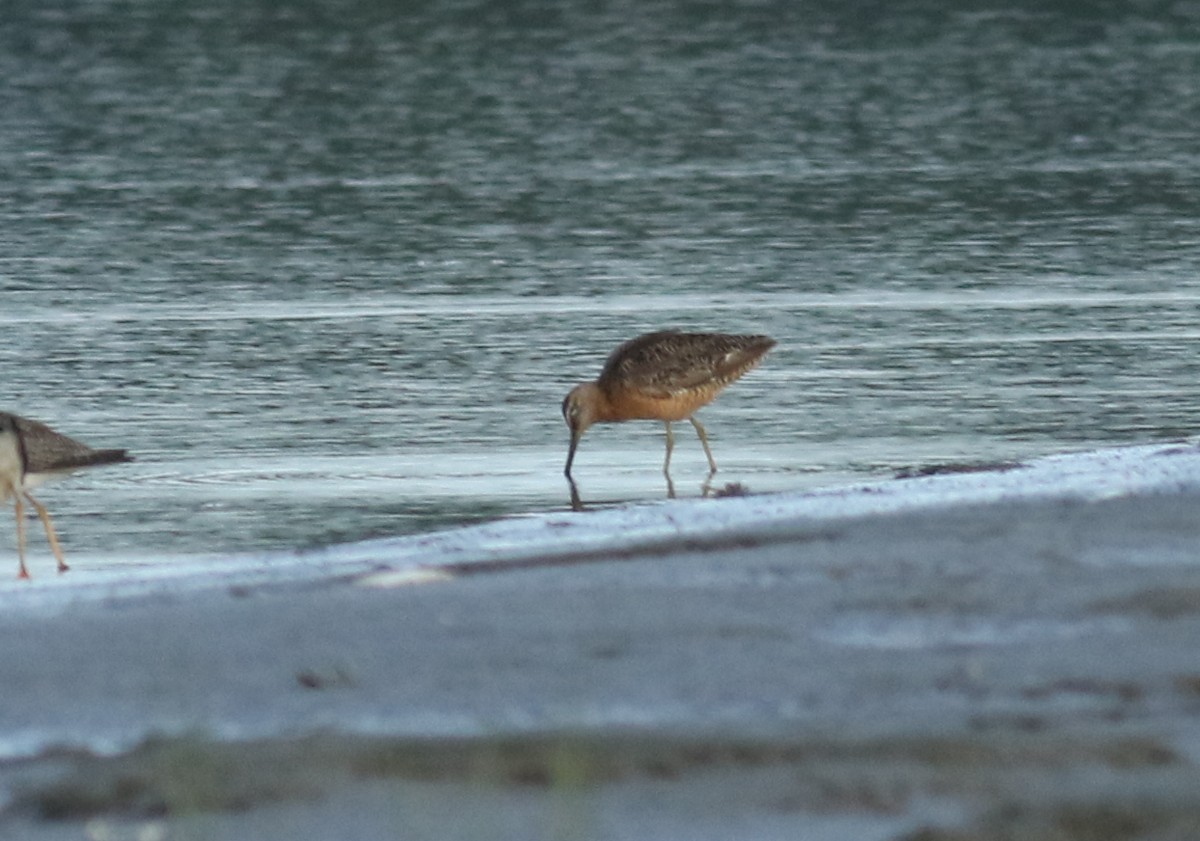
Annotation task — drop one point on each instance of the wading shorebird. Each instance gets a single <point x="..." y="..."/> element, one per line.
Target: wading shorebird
<point x="664" y="376"/>
<point x="32" y="453"/>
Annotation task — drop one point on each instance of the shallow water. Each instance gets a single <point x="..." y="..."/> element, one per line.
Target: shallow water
<point x="328" y="269"/>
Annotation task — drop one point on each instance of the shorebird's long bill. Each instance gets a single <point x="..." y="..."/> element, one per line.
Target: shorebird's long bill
<point x="575" y="436"/>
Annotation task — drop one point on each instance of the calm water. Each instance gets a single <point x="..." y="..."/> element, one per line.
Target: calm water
<point x="328" y="269"/>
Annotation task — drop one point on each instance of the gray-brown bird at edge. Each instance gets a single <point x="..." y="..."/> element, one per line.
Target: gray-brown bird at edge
<point x="666" y="376"/>
<point x="32" y="453"/>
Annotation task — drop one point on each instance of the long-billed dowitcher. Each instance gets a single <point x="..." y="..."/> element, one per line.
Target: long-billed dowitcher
<point x="32" y="453"/>
<point x="663" y="376"/>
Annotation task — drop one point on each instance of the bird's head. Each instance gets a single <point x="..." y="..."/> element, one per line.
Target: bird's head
<point x="580" y="410"/>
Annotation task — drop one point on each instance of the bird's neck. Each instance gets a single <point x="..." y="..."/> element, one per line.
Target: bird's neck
<point x="600" y="408"/>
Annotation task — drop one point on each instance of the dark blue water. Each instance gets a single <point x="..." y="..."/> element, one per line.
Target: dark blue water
<point x="329" y="268"/>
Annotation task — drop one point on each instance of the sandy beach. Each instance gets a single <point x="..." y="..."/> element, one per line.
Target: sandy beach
<point x="977" y="655"/>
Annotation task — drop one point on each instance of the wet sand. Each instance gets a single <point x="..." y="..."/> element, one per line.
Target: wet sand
<point x="1003" y="666"/>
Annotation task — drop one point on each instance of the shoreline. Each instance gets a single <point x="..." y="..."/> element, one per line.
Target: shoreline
<point x="641" y="528"/>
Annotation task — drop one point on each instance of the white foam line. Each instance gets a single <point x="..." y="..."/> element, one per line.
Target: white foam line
<point x="1164" y="468"/>
<point x="542" y="538"/>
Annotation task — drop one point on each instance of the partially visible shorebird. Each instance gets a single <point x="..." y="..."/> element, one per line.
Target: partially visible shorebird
<point x="666" y="376"/>
<point x="32" y="453"/>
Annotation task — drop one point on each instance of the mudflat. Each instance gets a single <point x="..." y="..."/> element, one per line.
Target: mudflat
<point x="1010" y="668"/>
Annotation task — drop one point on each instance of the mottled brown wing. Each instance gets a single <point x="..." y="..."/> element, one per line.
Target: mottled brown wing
<point x="47" y="451"/>
<point x="669" y="362"/>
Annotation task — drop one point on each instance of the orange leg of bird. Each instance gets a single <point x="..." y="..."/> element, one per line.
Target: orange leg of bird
<point x="44" y="516"/>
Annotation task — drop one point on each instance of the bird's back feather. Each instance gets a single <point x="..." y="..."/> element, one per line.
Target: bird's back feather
<point x="668" y="363"/>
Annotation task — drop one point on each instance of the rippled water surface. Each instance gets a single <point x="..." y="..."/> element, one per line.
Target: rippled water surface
<point x="328" y="269"/>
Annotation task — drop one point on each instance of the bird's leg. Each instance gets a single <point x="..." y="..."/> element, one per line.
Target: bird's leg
<point x="667" y="461"/>
<point x="712" y="464"/>
<point x="670" y="446"/>
<point x="20" y="507"/>
<point x="44" y="516"/>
